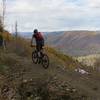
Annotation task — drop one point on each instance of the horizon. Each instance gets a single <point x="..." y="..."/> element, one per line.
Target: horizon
<point x="62" y="31"/>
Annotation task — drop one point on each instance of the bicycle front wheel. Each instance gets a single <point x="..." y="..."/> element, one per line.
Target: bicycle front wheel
<point x="34" y="57"/>
<point x="45" y="61"/>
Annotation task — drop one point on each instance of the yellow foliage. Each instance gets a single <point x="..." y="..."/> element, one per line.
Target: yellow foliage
<point x="6" y="35"/>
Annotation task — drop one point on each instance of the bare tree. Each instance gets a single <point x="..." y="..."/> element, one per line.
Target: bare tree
<point x="16" y="29"/>
<point x="3" y="11"/>
<point x="2" y="15"/>
<point x="3" y="21"/>
<point x="1" y="25"/>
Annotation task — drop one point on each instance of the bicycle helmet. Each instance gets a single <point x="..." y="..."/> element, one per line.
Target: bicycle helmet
<point x="35" y="31"/>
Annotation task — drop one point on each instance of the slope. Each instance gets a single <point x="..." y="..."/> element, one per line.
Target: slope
<point x="76" y="43"/>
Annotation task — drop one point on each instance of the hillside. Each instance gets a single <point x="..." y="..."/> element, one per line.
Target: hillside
<point x="20" y="79"/>
<point x="76" y="43"/>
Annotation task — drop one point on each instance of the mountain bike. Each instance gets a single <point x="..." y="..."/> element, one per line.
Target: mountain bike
<point x="39" y="57"/>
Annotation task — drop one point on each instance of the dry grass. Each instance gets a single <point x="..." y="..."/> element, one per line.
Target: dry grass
<point x="64" y="59"/>
<point x="20" y="46"/>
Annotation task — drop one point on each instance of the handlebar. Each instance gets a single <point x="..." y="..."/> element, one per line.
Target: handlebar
<point x="33" y="45"/>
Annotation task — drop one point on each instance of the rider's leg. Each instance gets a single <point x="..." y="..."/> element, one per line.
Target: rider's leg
<point x="41" y="51"/>
<point x="40" y="45"/>
<point x="38" y="50"/>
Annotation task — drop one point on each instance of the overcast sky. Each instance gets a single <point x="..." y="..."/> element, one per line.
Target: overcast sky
<point x="52" y="15"/>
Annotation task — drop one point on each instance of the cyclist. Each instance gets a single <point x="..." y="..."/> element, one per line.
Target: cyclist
<point x="39" y="40"/>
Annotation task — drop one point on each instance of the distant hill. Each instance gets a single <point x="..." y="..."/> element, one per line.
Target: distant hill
<point x="74" y="43"/>
<point x="29" y="34"/>
<point x="25" y="34"/>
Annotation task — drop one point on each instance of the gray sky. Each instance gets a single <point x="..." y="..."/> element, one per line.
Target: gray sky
<point x="53" y="15"/>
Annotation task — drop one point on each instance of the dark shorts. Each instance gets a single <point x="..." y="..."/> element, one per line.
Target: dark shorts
<point x="39" y="44"/>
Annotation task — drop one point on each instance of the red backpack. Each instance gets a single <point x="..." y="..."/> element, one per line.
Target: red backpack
<point x="39" y="36"/>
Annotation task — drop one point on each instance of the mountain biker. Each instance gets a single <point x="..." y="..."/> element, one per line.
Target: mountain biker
<point x="39" y="40"/>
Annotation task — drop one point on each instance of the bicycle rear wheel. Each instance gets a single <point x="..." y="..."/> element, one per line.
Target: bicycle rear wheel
<point x="45" y="61"/>
<point x="34" y="57"/>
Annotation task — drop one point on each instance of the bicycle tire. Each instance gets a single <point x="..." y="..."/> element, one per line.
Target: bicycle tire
<point x="45" y="61"/>
<point x="34" y="57"/>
